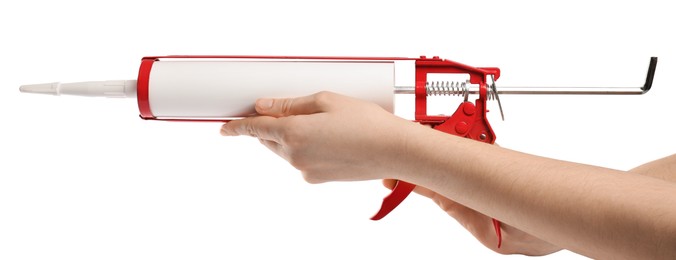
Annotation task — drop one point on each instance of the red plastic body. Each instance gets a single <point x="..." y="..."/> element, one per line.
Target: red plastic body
<point x="469" y="120"/>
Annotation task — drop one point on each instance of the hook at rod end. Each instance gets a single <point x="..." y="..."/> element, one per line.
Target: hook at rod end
<point x="651" y="74"/>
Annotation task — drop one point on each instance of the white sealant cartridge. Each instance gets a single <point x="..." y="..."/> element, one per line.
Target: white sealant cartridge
<point x="217" y="88"/>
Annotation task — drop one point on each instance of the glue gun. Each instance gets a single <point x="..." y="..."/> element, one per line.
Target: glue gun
<point x="223" y="88"/>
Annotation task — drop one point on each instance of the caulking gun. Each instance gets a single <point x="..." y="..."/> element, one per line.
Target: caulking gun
<point x="223" y="88"/>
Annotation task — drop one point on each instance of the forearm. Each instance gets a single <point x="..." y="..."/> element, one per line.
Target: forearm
<point x="664" y="169"/>
<point x="595" y="211"/>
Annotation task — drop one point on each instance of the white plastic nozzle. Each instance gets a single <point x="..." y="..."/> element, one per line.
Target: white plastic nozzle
<point x="108" y="88"/>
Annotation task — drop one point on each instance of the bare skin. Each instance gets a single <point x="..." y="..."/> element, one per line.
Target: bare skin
<point x="544" y="204"/>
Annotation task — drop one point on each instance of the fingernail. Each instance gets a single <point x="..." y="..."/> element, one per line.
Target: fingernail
<point x="264" y="103"/>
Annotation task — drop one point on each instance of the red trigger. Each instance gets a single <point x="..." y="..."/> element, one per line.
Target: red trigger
<point x="399" y="193"/>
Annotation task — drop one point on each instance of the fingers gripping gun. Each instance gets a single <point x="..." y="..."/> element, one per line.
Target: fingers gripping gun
<point x="222" y="88"/>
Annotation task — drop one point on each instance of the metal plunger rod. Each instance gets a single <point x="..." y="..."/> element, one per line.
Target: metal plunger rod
<point x="502" y="90"/>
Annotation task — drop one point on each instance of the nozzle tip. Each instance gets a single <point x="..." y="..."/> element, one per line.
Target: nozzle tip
<point x="45" y="88"/>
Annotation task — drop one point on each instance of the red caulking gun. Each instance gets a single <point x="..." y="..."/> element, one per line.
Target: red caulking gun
<point x="222" y="88"/>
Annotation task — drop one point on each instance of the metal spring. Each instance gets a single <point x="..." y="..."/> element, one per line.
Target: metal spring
<point x="446" y="88"/>
<point x="454" y="88"/>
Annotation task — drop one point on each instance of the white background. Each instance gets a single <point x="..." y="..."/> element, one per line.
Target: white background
<point x="87" y="179"/>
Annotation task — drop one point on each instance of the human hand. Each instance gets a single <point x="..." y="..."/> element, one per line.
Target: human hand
<point x="327" y="136"/>
<point x="480" y="226"/>
<point x="330" y="137"/>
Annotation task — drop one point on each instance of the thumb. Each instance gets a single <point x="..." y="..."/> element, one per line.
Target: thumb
<point x="281" y="107"/>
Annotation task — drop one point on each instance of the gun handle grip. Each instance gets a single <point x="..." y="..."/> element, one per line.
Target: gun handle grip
<point x="399" y="193"/>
